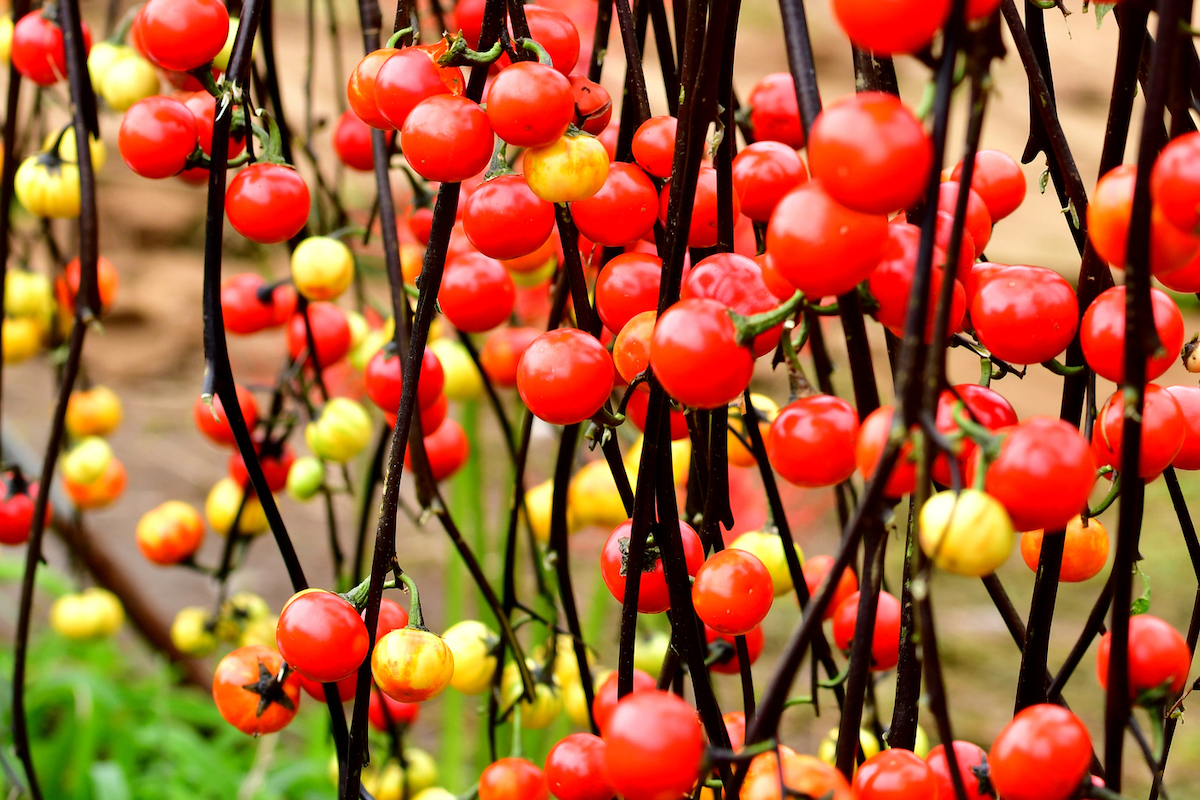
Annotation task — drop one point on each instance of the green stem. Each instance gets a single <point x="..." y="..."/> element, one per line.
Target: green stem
<point x="397" y="36"/>
<point x="1057" y="367"/>
<point x="542" y="56"/>
<point x="415" y="618"/>
<point x="1113" y="493"/>
<point x="750" y="326"/>
<point x="460" y="55"/>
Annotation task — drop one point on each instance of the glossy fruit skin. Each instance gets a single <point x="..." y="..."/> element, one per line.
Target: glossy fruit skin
<point x="182" y="35"/>
<point x="815" y="569"/>
<point x="502" y="353"/>
<point x="212" y="422"/>
<point x="322" y="268"/>
<point x="170" y="532"/>
<point x="530" y="104"/>
<point x="565" y="376"/>
<point x="802" y="774"/>
<point x="513" y="779"/>
<point x="570" y="169"/>
<point x="702" y="227"/>
<point x="470" y="641"/>
<point x="1163" y="431"/>
<point x="604" y="703"/>
<point x="352" y="142"/>
<point x="811" y="443"/>
<point x="408" y="76"/>
<point x="447" y="138"/>
<point x="1188" y="398"/>
<point x="1109" y="213"/>
<point x="330" y="332"/>
<point x="1043" y="475"/>
<point x="872" y="440"/>
<point x="412" y="665"/>
<point x="654" y="145"/>
<point x="768" y="548"/>
<point x="157" y="136"/>
<point x="631" y="349"/>
<point x="93" y="412"/>
<point x="763" y="173"/>
<point x="477" y="293"/>
<point x="267" y="203"/>
<point x="384" y="380"/>
<point x="655" y="744"/>
<point x="968" y="755"/>
<point x="623" y="211"/>
<point x="321" y="636"/>
<point x="981" y="404"/>
<point x="733" y="665"/>
<point x="653" y="595"/>
<point x="819" y="245"/>
<point x="1158" y="657"/>
<point x="37" y="49"/>
<point x="895" y="774"/>
<point x="504" y="219"/>
<point x="556" y="32"/>
<point x="46" y="188"/>
<point x="732" y="592"/>
<point x="870" y="153"/>
<point x="1175" y="182"/>
<point x="696" y="357"/>
<point x="736" y="282"/>
<point x="447" y="449"/>
<point x="626" y="287"/>
<point x="1085" y="550"/>
<point x="1043" y="754"/>
<point x="575" y="769"/>
<point x="978" y="219"/>
<point x="1102" y="334"/>
<point x="774" y="114"/>
<point x="360" y="90"/>
<point x="885" y="642"/>
<point x="998" y="180"/>
<point x="891" y="282"/>
<point x="384" y="712"/>
<point x="240" y="706"/>
<point x="1025" y="315"/>
<point x="638" y="407"/>
<point x="16" y="514"/>
<point x="967" y="533"/>
<point x="891" y="27"/>
<point x="242" y="311"/>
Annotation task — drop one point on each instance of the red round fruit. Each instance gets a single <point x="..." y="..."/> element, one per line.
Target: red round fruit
<point x="819" y="245"/>
<point x="774" y="112"/>
<point x="383" y="712"/>
<point x="530" y="104"/>
<point x="695" y="354"/>
<point x="554" y="31"/>
<point x="655" y="745"/>
<point x="1025" y="315"/>
<point x="565" y="376"/>
<point x="501" y="354"/>
<point x="513" y="779"/>
<point x="157" y="136"/>
<point x="638" y="406"/>
<point x="892" y="26"/>
<point x="575" y="769"/>
<point x="1043" y="475"/>
<point x="732" y="592"/>
<point x="1188" y="398"/>
<point x="1159" y="658"/>
<point x="505" y="220"/>
<point x="872" y="440"/>
<point x="247" y="696"/>
<point x="891" y="282"/>
<point x="37" y="48"/>
<point x="811" y="443"/>
<point x="623" y="211"/>
<point x="731" y="665"/>
<point x="736" y="282"/>
<point x="816" y="569"/>
<point x="895" y="774"/>
<point x="1175" y="182"/>
<point x="408" y="76"/>
<point x="267" y="203"/>
<point x="352" y="142"/>
<point x="1102" y="334"/>
<point x="212" y="422"/>
<point x="870" y="153"/>
<point x="653" y="597"/>
<point x="477" y="293"/>
<point x="330" y="332"/>
<point x="275" y="467"/>
<point x="998" y="180"/>
<point x="321" y="636"/>
<point x="605" y="701"/>
<point x="16" y="514"/>
<point x="763" y="173"/>
<point x="447" y="138"/>
<point x="968" y="756"/>
<point x="978" y="218"/>
<point x="447" y="449"/>
<point x="654" y="145"/>
<point x="885" y="641"/>
<point x="1108" y="217"/>
<point x="181" y="35"/>
<point x="384" y="380"/>
<point x="1043" y="754"/>
<point x="702" y="228"/>
<point x="360" y="90"/>
<point x="980" y="404"/>
<point x="1163" y="431"/>
<point x="628" y="285"/>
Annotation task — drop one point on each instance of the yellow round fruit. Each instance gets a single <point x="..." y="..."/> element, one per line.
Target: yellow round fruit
<point x="27" y="294"/>
<point x="93" y="412"/>
<point x="101" y="58"/>
<point x="192" y="632"/>
<point x="768" y="547"/>
<point x="87" y="461"/>
<point x="322" y="268"/>
<point x="221" y="507"/>
<point x="436" y="793"/>
<point x="259" y="631"/>
<point x="21" y="340"/>
<point x="681" y="454"/>
<point x="130" y="79"/>
<point x="369" y="346"/>
<point x="305" y="477"/>
<point x="341" y="432"/>
<point x="594" y="498"/>
<point x="239" y="611"/>
<point x="649" y="652"/>
<point x="827" y="750"/>
<point x="6" y="35"/>
<point x="463" y="381"/>
<point x="471" y="642"/>
<point x="48" y="187"/>
<point x="967" y="533"/>
<point x="412" y="665"/>
<point x="573" y="168"/>
<point x="67" y="152"/>
<point x="92" y="614"/>
<point x="537" y="713"/>
<point x="538" y="502"/>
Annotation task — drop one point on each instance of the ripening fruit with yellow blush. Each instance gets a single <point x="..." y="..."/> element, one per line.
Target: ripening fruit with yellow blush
<point x="968" y="533"/>
<point x="471" y="643"/>
<point x="769" y="549"/>
<point x="221" y="508"/>
<point x="322" y="268"/>
<point x="93" y="412"/>
<point x="1085" y="550"/>
<point x="412" y="665"/>
<point x="739" y="454"/>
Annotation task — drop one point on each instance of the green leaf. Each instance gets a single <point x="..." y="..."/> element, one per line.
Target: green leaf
<point x="108" y="781"/>
<point x="1102" y="10"/>
<point x="1142" y="604"/>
